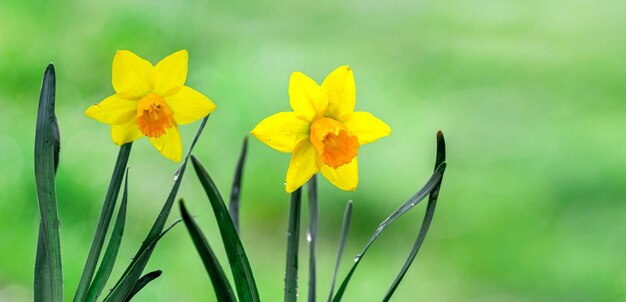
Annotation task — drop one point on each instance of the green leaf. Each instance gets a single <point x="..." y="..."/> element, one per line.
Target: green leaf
<point x="108" y="260"/>
<point x="428" y="217"/>
<point x="293" y="241"/>
<point x="142" y="282"/>
<point x="131" y="275"/>
<point x="311" y="236"/>
<point x="235" y="193"/>
<point x="242" y="273"/>
<point x="223" y="290"/>
<point x="432" y="182"/>
<point x="43" y="284"/>
<point x="124" y="289"/>
<point x="108" y="206"/>
<point x="48" y="267"/>
<point x="345" y="226"/>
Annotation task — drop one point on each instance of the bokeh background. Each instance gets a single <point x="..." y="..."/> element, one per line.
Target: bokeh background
<point x="530" y="95"/>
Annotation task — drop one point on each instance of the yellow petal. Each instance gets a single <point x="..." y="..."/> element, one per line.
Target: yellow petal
<point x="340" y="89"/>
<point x="169" y="144"/>
<point x="171" y="73"/>
<point x="114" y="110"/>
<point x="303" y="165"/>
<point x="132" y="75"/>
<point x="345" y="177"/>
<point x="189" y="105"/>
<point x="365" y="126"/>
<point x="282" y="131"/>
<point x="306" y="97"/>
<point x="125" y="133"/>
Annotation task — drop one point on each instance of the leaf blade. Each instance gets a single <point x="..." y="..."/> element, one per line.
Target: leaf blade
<point x="408" y="205"/>
<point x="126" y="287"/>
<point x="134" y="269"/>
<point x="42" y="284"/>
<point x="142" y="282"/>
<point x="235" y="193"/>
<point x="104" y="221"/>
<point x="345" y="227"/>
<point x="239" y="264"/>
<point x="221" y="285"/>
<point x="110" y="255"/>
<point x="48" y="268"/>
<point x="428" y="217"/>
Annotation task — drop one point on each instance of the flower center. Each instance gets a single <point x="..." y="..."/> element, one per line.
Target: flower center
<point x="333" y="142"/>
<point x="153" y="115"/>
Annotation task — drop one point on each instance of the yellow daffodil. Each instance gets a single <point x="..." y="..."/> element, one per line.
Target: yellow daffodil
<point x="323" y="133"/>
<point x="151" y="101"/>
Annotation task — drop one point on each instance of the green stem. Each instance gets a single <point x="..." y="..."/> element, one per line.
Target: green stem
<point x="312" y="234"/>
<point x="293" y="238"/>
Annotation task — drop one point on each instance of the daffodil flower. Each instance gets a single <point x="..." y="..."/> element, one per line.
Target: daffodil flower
<point x="151" y="101"/>
<point x="323" y="132"/>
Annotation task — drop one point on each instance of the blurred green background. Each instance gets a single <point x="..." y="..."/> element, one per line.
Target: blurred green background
<point x="530" y="95"/>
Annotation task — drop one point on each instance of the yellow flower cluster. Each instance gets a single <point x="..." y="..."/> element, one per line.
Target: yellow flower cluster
<point x="323" y="132"/>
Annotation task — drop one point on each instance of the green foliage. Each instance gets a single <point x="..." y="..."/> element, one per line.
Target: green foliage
<point x="343" y="238"/>
<point x="239" y="265"/>
<point x="132" y="281"/>
<point x="110" y="255"/>
<point x="108" y="206"/>
<point x="221" y="285"/>
<point x="235" y="192"/>
<point x="428" y="217"/>
<point x="48" y="267"/>
<point x="142" y="282"/>
<point x="126" y="285"/>
<point x="430" y="188"/>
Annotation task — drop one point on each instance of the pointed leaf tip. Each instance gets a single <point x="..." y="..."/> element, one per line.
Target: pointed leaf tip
<point x="50" y="68"/>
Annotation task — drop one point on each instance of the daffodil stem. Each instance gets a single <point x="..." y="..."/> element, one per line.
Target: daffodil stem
<point x="293" y="239"/>
<point x="312" y="234"/>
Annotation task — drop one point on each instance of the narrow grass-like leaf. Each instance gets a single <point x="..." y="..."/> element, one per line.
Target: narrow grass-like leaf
<point x="430" y="212"/>
<point x="142" y="282"/>
<point x="428" y="217"/>
<point x="223" y="290"/>
<point x="108" y="260"/>
<point x="293" y="242"/>
<point x="42" y="268"/>
<point x="124" y="289"/>
<point x="239" y="265"/>
<point x="43" y="284"/>
<point x="432" y="182"/>
<point x="108" y="206"/>
<point x="441" y="149"/>
<point x="135" y="268"/>
<point x="56" y="134"/>
<point x="311" y="236"/>
<point x="235" y="192"/>
<point x="345" y="227"/>
<point x="48" y="269"/>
